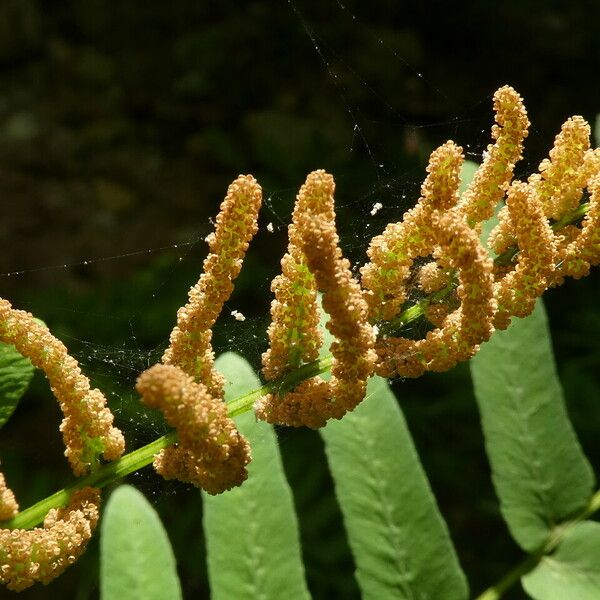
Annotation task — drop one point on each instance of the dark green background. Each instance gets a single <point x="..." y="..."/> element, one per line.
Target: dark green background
<point x="121" y="125"/>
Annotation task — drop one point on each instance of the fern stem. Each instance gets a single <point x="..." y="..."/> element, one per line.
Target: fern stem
<point x="497" y="590"/>
<point x="111" y="472"/>
<point x="101" y="477"/>
<point x="135" y="460"/>
<point x="530" y="562"/>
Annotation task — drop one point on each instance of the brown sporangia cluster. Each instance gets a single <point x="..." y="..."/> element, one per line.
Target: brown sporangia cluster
<point x="431" y="264"/>
<point x="41" y="554"/>
<point x="211" y="452"/>
<point x="314" y="262"/>
<point x="435" y="228"/>
<point x="190" y="348"/>
<point x="294" y="335"/>
<point x="9" y="506"/>
<point x="87" y="427"/>
<point x="537" y="242"/>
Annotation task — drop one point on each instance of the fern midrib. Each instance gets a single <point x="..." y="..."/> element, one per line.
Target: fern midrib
<point x="532" y="449"/>
<point x="252" y="554"/>
<point x="382" y="492"/>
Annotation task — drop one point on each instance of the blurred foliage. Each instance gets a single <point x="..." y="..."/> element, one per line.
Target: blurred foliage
<point x="121" y="125"/>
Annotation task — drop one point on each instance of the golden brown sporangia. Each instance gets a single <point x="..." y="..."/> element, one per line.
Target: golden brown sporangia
<point x="87" y="427"/>
<point x="187" y="383"/>
<point x="41" y="554"/>
<point x="211" y="453"/>
<point x="190" y="348"/>
<point x="548" y="228"/>
<point x="318" y="265"/>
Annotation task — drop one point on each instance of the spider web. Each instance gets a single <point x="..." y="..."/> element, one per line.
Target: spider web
<point x="386" y="191"/>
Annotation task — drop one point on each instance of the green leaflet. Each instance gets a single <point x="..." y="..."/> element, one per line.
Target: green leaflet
<point x="571" y="572"/>
<point x="251" y="531"/>
<point x="467" y="171"/>
<point x="539" y="471"/>
<point x="16" y="372"/>
<point x="399" y="540"/>
<point x="486" y="228"/>
<point x="136" y="559"/>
